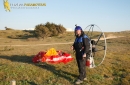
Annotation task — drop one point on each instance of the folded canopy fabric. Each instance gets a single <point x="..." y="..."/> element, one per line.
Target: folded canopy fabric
<point x="52" y="56"/>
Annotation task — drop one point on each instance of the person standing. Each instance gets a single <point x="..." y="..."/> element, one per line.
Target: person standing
<point x="81" y="46"/>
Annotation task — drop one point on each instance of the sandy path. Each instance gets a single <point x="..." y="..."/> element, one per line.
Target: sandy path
<point x="41" y="44"/>
<point x="110" y="37"/>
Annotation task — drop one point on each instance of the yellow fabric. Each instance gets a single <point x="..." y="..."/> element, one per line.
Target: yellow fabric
<point x="51" y="52"/>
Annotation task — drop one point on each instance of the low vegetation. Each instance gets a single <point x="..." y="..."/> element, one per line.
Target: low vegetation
<point x="16" y="61"/>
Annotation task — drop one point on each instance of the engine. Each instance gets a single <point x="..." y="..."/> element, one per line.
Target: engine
<point x="93" y="42"/>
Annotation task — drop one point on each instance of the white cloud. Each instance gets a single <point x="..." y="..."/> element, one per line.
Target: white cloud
<point x="29" y="29"/>
<point x="69" y="29"/>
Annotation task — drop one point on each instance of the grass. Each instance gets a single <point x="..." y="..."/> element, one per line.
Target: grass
<point x="16" y="62"/>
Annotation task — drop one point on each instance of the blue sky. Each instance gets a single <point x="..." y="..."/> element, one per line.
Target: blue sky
<point x="109" y="15"/>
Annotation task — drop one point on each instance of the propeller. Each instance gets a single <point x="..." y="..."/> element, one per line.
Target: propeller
<point x="98" y="49"/>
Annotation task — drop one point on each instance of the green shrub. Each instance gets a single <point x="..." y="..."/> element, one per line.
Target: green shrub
<point x="125" y="81"/>
<point x="6" y="28"/>
<point x="49" y="29"/>
<point x="42" y="31"/>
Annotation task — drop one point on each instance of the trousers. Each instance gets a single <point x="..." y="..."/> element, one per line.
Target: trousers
<point x="81" y="62"/>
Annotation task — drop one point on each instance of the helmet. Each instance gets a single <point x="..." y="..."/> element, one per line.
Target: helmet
<point x="78" y="28"/>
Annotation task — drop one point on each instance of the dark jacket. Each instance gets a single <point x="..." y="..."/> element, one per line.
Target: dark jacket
<point x="82" y="44"/>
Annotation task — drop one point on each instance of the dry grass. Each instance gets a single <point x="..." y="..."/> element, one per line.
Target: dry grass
<point x="16" y="62"/>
